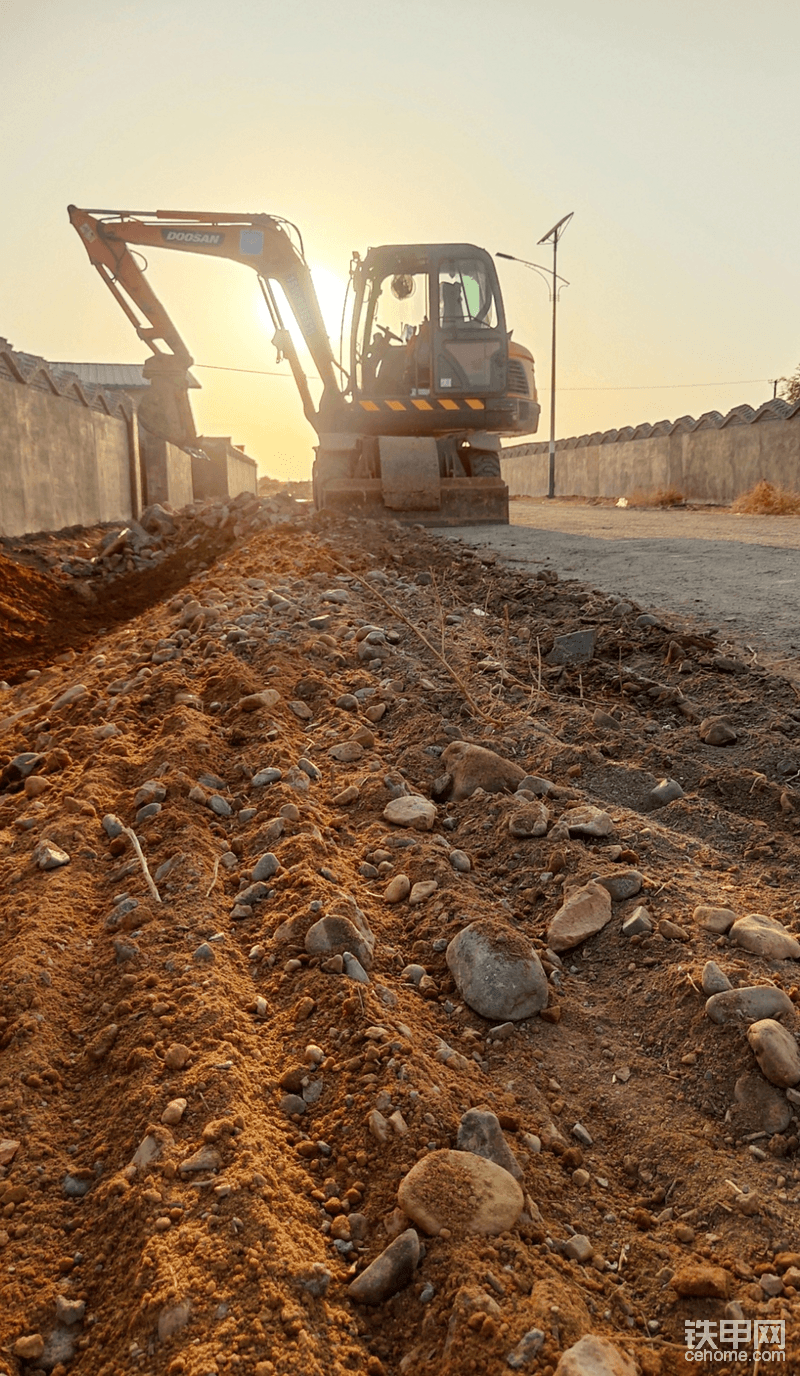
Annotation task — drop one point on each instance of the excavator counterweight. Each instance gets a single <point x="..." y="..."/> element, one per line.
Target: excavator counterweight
<point x="434" y="378"/>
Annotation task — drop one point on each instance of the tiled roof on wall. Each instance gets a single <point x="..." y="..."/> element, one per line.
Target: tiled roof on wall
<point x="30" y="370"/>
<point x="107" y="375"/>
<point x="775" y="409"/>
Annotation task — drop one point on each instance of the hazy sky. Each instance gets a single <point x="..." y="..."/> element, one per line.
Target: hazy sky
<point x="668" y="127"/>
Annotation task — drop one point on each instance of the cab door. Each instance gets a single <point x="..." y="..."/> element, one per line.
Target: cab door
<point x="470" y="341"/>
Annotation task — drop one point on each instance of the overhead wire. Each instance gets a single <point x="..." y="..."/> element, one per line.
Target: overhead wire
<point x="667" y="386"/>
<point x="624" y="387"/>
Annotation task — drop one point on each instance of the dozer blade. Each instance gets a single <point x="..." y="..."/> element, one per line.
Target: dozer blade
<point x="462" y="502"/>
<point x="410" y="474"/>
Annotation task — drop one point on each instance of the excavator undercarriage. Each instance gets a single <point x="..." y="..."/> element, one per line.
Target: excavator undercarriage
<point x="434" y="378"/>
<point x="433" y="482"/>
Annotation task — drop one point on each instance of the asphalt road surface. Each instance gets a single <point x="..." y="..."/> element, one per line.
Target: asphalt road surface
<point x="738" y="574"/>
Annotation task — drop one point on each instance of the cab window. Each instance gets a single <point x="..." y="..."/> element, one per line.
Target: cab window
<point x="466" y="297"/>
<point x="395" y="351"/>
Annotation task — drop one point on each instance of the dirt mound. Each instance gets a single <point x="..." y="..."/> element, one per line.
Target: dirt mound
<point x="203" y="1127"/>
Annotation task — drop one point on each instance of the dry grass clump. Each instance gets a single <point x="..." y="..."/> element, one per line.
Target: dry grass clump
<point x="662" y="496"/>
<point x="765" y="499"/>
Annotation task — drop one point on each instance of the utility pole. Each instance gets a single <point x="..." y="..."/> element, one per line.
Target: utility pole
<point x="553" y="235"/>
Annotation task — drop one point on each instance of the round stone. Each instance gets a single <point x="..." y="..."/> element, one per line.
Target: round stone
<point x="462" y="1192"/>
<point x="497" y="971"/>
<point x="776" y="1051"/>
<point x="412" y="811"/>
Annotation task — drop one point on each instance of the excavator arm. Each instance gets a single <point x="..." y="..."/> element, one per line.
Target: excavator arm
<point x="260" y="242"/>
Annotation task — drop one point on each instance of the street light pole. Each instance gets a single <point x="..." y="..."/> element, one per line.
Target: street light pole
<point x="553" y="234"/>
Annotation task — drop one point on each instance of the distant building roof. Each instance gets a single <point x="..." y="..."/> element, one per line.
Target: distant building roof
<point x="109" y="375"/>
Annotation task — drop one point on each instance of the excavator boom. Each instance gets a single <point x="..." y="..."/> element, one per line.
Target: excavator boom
<point x="260" y="242"/>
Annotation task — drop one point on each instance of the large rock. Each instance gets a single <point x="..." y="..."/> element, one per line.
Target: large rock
<point x="758" y="1106"/>
<point x="714" y="980"/>
<point x="204" y="1159"/>
<point x="497" y="971"/>
<point x="594" y="1356"/>
<point x="411" y="811"/>
<point x="711" y="919"/>
<point x="584" y="912"/>
<point x="529" y="820"/>
<point x="587" y="821"/>
<point x="393" y="1270"/>
<point x="749" y="1005"/>
<point x="49" y="856"/>
<point x="776" y="1051"/>
<point x="535" y="785"/>
<point x="700" y="1280"/>
<point x="764" y="936"/>
<point x="29" y="1347"/>
<point x="577" y="647"/>
<point x="623" y="884"/>
<point x="266" y="865"/>
<point x="717" y="731"/>
<point x="528" y="1347"/>
<point x="397" y="889"/>
<point x="256" y="702"/>
<point x="462" y="1192"/>
<point x="473" y="766"/>
<point x="480" y="1132"/>
<point x="336" y="933"/>
<point x="666" y="791"/>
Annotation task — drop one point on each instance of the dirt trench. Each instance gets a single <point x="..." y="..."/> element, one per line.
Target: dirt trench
<point x="115" y="1004"/>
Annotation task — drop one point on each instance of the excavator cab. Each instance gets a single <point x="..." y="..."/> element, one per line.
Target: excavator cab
<point x="428" y="322"/>
<point x="435" y="381"/>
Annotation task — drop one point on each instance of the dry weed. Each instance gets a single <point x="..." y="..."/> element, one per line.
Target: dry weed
<point x="765" y="499"/>
<point x="662" y="496"/>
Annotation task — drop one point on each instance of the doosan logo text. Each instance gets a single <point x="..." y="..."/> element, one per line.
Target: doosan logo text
<point x="190" y="236"/>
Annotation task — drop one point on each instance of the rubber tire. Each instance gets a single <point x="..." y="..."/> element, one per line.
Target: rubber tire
<point x="484" y="463"/>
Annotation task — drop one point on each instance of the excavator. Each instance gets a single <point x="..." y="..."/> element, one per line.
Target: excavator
<point x="411" y="428"/>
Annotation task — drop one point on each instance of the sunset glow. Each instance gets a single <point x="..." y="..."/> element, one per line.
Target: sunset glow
<point x="665" y="131"/>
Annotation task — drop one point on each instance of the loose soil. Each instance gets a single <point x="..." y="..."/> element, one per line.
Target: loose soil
<point x="736" y="573"/>
<point x="201" y="1272"/>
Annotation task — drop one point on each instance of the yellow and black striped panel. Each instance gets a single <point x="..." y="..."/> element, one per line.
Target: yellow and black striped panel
<point x="424" y="404"/>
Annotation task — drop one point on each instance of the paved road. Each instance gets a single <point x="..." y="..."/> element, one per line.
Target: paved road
<point x="740" y="574"/>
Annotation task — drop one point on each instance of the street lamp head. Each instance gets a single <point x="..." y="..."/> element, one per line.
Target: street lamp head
<point x="542" y="270"/>
<point x="557" y="230"/>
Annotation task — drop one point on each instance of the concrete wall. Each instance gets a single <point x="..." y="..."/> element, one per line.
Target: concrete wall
<point x="167" y="471"/>
<point x="62" y="462"/>
<point x="708" y="462"/>
<point x="74" y="455"/>
<point x="226" y="472"/>
<point x="242" y="473"/>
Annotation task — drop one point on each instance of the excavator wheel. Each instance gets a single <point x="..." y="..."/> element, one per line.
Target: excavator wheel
<point x="484" y="463"/>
